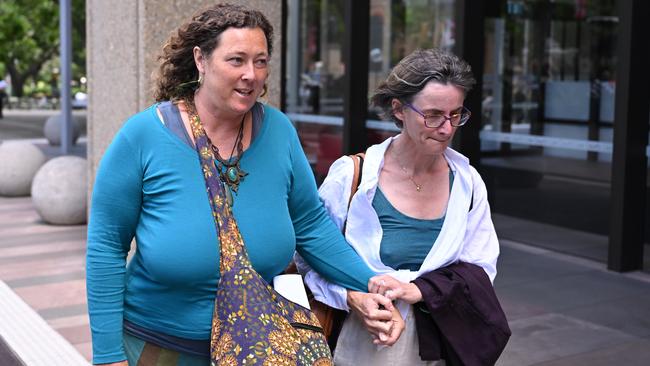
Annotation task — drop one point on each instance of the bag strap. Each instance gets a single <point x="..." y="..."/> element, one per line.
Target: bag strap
<point x="357" y="159"/>
<point x="231" y="244"/>
<point x="471" y="202"/>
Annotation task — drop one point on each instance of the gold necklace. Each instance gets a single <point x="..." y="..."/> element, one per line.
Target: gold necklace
<point x="418" y="187"/>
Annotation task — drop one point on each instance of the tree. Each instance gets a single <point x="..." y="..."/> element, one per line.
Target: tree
<point x="29" y="37"/>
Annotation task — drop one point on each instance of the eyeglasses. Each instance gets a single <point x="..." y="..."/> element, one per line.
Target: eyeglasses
<point x="438" y="119"/>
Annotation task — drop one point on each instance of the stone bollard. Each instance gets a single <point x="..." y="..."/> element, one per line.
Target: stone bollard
<point x="59" y="191"/>
<point x="19" y="162"/>
<point x="52" y="129"/>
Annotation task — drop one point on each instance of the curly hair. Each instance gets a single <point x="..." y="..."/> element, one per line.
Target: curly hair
<point x="413" y="72"/>
<point x="177" y="75"/>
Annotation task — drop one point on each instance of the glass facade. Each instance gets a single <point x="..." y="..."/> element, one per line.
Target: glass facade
<point x="548" y="102"/>
<point x="315" y="70"/>
<point x="396" y="29"/>
<point x="548" y="93"/>
<point x="315" y="64"/>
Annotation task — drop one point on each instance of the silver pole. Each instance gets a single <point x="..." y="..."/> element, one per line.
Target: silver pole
<point x="293" y="59"/>
<point x="65" y="34"/>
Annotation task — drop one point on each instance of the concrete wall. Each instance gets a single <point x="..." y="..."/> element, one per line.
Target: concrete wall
<point x="124" y="38"/>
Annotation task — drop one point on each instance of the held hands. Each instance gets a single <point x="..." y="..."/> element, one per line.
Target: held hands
<point x="394" y="289"/>
<point x="379" y="316"/>
<point x="398" y="326"/>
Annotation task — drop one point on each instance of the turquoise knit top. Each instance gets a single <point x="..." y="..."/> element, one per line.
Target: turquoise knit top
<point x="149" y="186"/>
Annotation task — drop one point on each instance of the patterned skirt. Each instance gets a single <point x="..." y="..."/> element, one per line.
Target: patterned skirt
<point x="142" y="353"/>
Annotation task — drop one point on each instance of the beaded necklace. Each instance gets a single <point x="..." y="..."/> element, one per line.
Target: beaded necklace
<point x="230" y="171"/>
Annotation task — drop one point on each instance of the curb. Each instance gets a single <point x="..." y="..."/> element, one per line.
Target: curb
<point x="30" y="337"/>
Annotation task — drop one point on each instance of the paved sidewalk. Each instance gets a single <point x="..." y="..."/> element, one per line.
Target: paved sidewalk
<point x="44" y="265"/>
<point x="567" y="311"/>
<point x="563" y="311"/>
<point x="27" y="125"/>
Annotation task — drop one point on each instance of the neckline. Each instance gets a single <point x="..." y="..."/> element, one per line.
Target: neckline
<point x="380" y="194"/>
<point x="190" y="148"/>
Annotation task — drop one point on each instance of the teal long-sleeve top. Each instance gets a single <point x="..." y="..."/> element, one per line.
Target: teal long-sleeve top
<point x="149" y="186"/>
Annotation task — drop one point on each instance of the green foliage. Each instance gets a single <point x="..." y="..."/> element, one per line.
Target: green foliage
<point x="78" y="38"/>
<point x="29" y="38"/>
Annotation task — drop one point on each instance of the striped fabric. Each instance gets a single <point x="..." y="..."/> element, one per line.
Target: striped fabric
<point x="141" y="353"/>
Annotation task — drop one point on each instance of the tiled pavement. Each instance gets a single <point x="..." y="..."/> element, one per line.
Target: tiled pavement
<point x="567" y="311"/>
<point x="563" y="311"/>
<point x="44" y="265"/>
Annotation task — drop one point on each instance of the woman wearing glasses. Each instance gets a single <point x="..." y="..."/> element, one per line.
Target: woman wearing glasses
<point x="420" y="213"/>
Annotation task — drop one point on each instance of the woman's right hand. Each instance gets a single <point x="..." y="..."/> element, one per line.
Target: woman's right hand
<point x="378" y="316"/>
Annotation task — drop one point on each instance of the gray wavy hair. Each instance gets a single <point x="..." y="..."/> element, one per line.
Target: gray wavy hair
<point x="413" y="72"/>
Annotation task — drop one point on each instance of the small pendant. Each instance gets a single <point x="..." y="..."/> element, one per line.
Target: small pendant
<point x="232" y="174"/>
<point x="417" y="188"/>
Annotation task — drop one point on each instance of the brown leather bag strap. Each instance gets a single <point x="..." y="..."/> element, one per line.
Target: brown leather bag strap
<point x="356" y="177"/>
<point x="357" y="159"/>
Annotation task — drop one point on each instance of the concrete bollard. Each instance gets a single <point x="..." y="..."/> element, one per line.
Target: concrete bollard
<point x="52" y="130"/>
<point x="59" y="191"/>
<point x="19" y="162"/>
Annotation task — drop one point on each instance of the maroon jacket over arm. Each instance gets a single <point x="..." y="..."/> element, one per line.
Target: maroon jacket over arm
<point x="460" y="319"/>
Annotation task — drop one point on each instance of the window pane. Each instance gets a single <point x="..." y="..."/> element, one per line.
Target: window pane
<point x="546" y="135"/>
<point x="646" y="248"/>
<point x="396" y="29"/>
<point x="314" y="78"/>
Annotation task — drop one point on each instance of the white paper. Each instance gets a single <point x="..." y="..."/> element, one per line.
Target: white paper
<point x="292" y="288"/>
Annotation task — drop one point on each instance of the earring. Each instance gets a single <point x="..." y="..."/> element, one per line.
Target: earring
<point x="200" y="81"/>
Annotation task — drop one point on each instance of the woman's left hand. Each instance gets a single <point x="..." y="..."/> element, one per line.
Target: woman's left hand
<point x="394" y="289"/>
<point x="397" y="327"/>
<point x="376" y="312"/>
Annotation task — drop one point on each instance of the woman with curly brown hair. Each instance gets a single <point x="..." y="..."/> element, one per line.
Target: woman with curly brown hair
<point x="151" y="186"/>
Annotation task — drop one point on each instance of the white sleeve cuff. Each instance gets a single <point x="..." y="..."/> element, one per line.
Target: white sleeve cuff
<point x="326" y="292"/>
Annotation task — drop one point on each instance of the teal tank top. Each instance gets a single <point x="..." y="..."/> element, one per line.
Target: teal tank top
<point x="406" y="241"/>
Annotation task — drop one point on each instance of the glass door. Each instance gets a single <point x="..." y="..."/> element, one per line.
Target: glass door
<point x="548" y="108"/>
<point x="397" y="28"/>
<point x="315" y="70"/>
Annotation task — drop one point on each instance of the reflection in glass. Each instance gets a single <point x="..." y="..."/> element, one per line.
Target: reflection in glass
<point x="314" y="80"/>
<point x="397" y="28"/>
<point x="546" y="134"/>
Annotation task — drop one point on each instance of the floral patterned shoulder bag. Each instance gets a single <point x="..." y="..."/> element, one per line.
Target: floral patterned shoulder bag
<point x="252" y="324"/>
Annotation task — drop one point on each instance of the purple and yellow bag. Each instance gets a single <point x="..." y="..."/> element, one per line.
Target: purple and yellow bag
<point x="252" y="324"/>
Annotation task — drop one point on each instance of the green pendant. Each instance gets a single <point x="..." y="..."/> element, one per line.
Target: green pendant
<point x="232" y="174"/>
